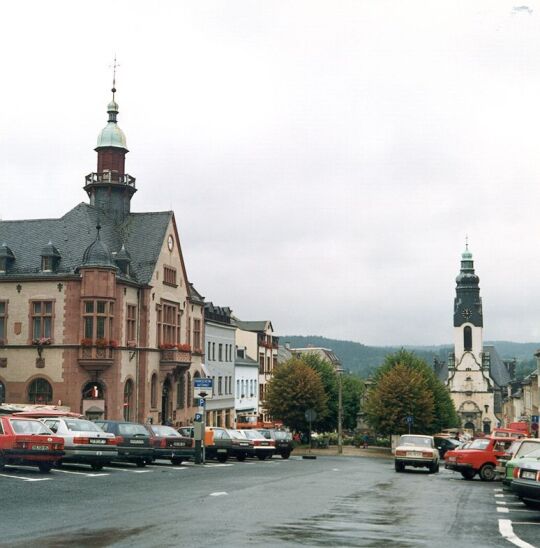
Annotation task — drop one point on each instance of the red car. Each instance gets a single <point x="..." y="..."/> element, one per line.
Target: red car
<point x="28" y="441"/>
<point x="480" y="457"/>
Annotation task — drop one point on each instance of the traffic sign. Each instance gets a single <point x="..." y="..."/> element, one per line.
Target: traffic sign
<point x="534" y="426"/>
<point x="409" y="419"/>
<point x="201" y="402"/>
<point x="310" y="415"/>
<point x="198" y="417"/>
<point x="202" y="387"/>
<point x="534" y="418"/>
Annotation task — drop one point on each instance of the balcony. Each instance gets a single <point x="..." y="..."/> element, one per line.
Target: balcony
<point x="108" y="177"/>
<point x="173" y="360"/>
<point x="96" y="358"/>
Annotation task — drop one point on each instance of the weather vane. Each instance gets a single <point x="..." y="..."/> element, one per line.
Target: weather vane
<point x="114" y="66"/>
<point x="467" y="242"/>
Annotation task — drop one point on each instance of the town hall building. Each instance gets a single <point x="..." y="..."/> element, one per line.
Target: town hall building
<point x="96" y="310"/>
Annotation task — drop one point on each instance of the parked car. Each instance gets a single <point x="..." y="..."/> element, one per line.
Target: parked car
<point x="28" y="441"/>
<point x="527" y="448"/>
<point x="444" y="444"/>
<point x="170" y="444"/>
<point x="418" y="451"/>
<point x="526" y="481"/>
<point x="263" y="448"/>
<point x="480" y="457"/>
<point x="132" y="440"/>
<point x="283" y="441"/>
<point x="84" y="441"/>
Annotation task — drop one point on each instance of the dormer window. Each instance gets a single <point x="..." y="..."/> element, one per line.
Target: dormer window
<point x="6" y="258"/>
<point x="122" y="260"/>
<point x="46" y="264"/>
<point x="50" y="257"/>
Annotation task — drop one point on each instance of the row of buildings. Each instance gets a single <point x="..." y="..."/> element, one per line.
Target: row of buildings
<point x="97" y="312"/>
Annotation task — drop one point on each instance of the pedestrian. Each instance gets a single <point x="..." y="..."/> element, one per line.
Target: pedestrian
<point x="365" y="439"/>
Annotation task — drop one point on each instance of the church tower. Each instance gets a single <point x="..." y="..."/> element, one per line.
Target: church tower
<point x="469" y="381"/>
<point x="110" y="188"/>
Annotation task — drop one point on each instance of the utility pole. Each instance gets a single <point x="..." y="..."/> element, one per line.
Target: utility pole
<point x="339" y="372"/>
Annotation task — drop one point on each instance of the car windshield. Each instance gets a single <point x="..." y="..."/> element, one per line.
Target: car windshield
<point x="78" y="425"/>
<point x="21" y="426"/>
<point x="479" y="444"/>
<point x="415" y="440"/>
<point x="235" y="434"/>
<point x="126" y="429"/>
<point x="282" y="435"/>
<point x="253" y="434"/>
<point x="526" y="448"/>
<point x="165" y="431"/>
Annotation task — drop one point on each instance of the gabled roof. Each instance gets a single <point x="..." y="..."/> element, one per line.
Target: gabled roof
<point x="255" y="326"/>
<point x="498" y="371"/>
<point x="194" y="295"/>
<point x="141" y="233"/>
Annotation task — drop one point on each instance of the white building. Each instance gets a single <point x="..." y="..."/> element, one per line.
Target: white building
<point x="246" y="401"/>
<point x="220" y="359"/>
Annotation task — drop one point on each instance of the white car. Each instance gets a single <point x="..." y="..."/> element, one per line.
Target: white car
<point x="418" y="451"/>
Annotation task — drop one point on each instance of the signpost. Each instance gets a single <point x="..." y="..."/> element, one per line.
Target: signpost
<point x="410" y="421"/>
<point x="310" y="415"/>
<point x="202" y="389"/>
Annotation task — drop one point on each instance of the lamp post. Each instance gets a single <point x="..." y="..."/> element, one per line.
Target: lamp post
<point x="339" y="371"/>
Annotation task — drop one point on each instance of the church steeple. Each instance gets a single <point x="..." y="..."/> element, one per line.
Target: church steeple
<point x="111" y="188"/>
<point x="468" y="303"/>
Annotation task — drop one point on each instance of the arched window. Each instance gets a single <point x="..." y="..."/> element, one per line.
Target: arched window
<point x="181" y="391"/>
<point x="128" y="400"/>
<point x="2" y="392"/>
<point x="467" y="337"/>
<point x="192" y="400"/>
<point x="93" y="391"/>
<point x="153" y="391"/>
<point x="40" y="391"/>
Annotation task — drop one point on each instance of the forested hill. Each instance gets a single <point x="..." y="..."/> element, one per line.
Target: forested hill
<point x="363" y="360"/>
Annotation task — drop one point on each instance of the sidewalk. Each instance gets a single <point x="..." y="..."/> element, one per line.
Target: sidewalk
<point x="348" y="451"/>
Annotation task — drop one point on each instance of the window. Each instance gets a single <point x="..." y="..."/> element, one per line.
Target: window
<point x="196" y="333"/>
<point x="131" y="323"/>
<point x="209" y="350"/>
<point x="219" y="385"/>
<point x="40" y="391"/>
<point x="169" y="276"/>
<point x="98" y="319"/>
<point x="153" y="391"/>
<point x="181" y="391"/>
<point x="42" y="315"/>
<point x="128" y="400"/>
<point x="168" y="320"/>
<point x="220" y="352"/>
<point x="47" y="264"/>
<point x="2" y="392"/>
<point x="3" y="321"/>
<point x="261" y="364"/>
<point x="214" y="351"/>
<point x="467" y="337"/>
<point x="237" y="388"/>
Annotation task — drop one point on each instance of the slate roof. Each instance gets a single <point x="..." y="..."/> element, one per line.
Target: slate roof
<point x="142" y="233"/>
<point x="256" y="326"/>
<point x="246" y="361"/>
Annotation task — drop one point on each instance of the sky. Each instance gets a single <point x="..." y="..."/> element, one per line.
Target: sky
<point x="325" y="160"/>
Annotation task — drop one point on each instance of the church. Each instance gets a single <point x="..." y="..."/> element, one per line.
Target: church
<point x="474" y="373"/>
<point x="96" y="309"/>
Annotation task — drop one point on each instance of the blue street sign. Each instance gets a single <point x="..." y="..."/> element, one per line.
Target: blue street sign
<point x="409" y="419"/>
<point x="198" y="417"/>
<point x="202" y="383"/>
<point x="534" y="418"/>
<point x="201" y="402"/>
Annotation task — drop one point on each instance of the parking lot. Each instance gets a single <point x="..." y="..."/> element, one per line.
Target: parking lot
<point x="331" y="501"/>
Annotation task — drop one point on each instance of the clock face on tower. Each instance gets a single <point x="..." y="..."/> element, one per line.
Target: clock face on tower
<point x="170" y="242"/>
<point x="466" y="313"/>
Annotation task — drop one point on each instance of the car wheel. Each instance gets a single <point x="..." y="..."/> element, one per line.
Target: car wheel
<point x="261" y="457"/>
<point x="434" y="468"/>
<point x="241" y="458"/>
<point x="97" y="467"/>
<point x="222" y="458"/>
<point x="2" y="462"/>
<point x="399" y="466"/>
<point x="468" y="474"/>
<point x="285" y="455"/>
<point x="176" y="461"/>
<point x="487" y="472"/>
<point x="141" y="463"/>
<point x="45" y="467"/>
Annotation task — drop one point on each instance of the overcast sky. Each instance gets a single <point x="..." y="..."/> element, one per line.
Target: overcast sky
<point x="324" y="159"/>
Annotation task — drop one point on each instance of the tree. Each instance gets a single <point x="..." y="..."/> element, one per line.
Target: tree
<point x="444" y="412"/>
<point x="353" y="388"/>
<point x="294" y="388"/>
<point x="400" y="392"/>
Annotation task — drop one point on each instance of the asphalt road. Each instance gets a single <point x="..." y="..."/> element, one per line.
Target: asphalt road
<point x="331" y="501"/>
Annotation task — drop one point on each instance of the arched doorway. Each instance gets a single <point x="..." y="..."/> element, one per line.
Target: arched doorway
<point x="128" y="400"/>
<point x="93" y="400"/>
<point x="2" y="392"/>
<point x="166" y="403"/>
<point x="40" y="392"/>
<point x="469" y="426"/>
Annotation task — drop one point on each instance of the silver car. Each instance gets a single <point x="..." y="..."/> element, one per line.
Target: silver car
<point x="84" y="441"/>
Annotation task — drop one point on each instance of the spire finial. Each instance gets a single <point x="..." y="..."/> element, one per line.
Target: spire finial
<point x="466" y="242"/>
<point x="114" y="66"/>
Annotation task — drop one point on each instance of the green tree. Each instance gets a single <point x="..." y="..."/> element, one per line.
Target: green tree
<point x="353" y="388"/>
<point x="295" y="388"/>
<point x="400" y="392"/>
<point x="444" y="412"/>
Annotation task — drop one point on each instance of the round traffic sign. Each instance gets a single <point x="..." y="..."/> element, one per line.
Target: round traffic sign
<point x="310" y="414"/>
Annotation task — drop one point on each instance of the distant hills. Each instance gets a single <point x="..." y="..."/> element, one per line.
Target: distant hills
<point x="363" y="360"/>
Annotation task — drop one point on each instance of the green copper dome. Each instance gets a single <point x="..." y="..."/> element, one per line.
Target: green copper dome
<point x="111" y="135"/>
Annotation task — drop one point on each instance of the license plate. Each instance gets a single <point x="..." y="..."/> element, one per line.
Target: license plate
<point x="264" y="443"/>
<point x="244" y="444"/>
<point x="525" y="474"/>
<point x="137" y="442"/>
<point x="40" y="447"/>
<point x="414" y="454"/>
<point x="222" y="450"/>
<point x="97" y="440"/>
<point x="451" y="459"/>
<point x="179" y="444"/>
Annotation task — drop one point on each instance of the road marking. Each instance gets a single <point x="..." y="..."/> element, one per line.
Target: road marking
<point x="23" y="478"/>
<point x="218" y="493"/>
<point x="498" y="490"/>
<point x="502" y="510"/>
<point x="87" y="474"/>
<point x="501" y="502"/>
<point x="505" y="528"/>
<point x="132" y="470"/>
<point x="217" y="465"/>
<point x="499" y="496"/>
<point x="335" y="469"/>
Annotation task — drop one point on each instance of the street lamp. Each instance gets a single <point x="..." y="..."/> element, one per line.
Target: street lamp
<point x="339" y="371"/>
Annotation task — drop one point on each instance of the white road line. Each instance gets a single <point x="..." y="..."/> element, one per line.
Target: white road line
<point x="499" y="496"/>
<point x="502" y="510"/>
<point x="23" y="478"/>
<point x="501" y="502"/>
<point x="505" y="528"/>
<point x="87" y="474"/>
<point x="217" y="465"/>
<point x="498" y="490"/>
<point x="132" y="470"/>
<point x="218" y="494"/>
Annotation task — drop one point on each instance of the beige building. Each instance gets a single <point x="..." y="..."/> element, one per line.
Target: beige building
<point x="96" y="310"/>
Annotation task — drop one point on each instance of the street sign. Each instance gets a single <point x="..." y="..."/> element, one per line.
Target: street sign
<point x="534" y="418"/>
<point x="409" y="419"/>
<point x="310" y="415"/>
<point x="198" y="417"/>
<point x="201" y="402"/>
<point x="534" y="426"/>
<point x="202" y="388"/>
